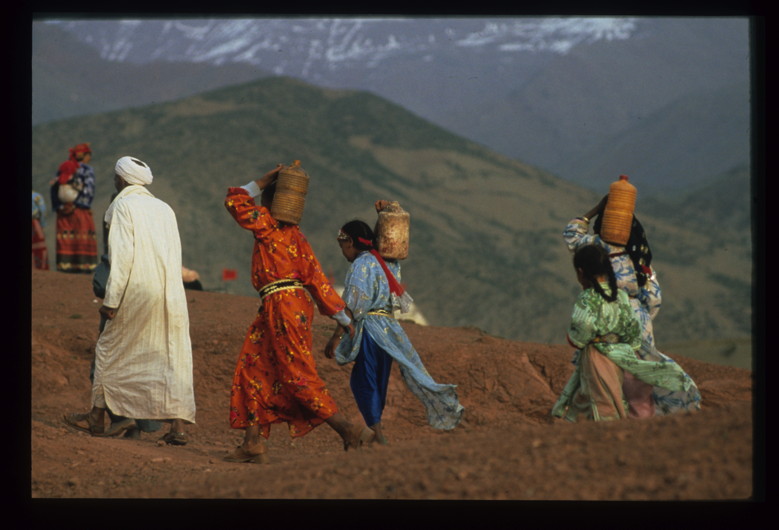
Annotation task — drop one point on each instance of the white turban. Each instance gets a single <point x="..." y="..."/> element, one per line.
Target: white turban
<point x="134" y="171"/>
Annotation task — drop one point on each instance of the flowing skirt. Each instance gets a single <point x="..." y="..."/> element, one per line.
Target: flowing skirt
<point x="276" y="378"/>
<point x="442" y="406"/>
<point x="651" y="400"/>
<point x="598" y="395"/>
<point x="76" y="241"/>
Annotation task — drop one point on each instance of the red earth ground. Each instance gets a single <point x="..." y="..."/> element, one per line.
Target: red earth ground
<point x="505" y="449"/>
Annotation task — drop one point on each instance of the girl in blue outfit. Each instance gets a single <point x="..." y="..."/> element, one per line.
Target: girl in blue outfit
<point x="372" y="292"/>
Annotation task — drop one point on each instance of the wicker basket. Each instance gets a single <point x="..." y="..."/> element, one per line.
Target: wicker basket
<point x="618" y="213"/>
<point x="289" y="199"/>
<point x="392" y="237"/>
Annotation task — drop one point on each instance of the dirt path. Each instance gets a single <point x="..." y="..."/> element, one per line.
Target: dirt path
<point x="505" y="449"/>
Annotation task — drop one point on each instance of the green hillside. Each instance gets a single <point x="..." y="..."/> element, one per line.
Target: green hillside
<point x="486" y="245"/>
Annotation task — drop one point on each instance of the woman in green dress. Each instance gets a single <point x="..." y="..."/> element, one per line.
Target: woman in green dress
<point x="606" y="333"/>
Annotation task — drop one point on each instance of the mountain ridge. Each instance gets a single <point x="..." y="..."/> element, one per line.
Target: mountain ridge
<point x="554" y="106"/>
<point x="486" y="245"/>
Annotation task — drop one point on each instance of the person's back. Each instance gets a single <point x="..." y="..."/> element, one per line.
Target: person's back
<point x="276" y="378"/>
<point x="146" y="229"/>
<point x="156" y="235"/>
<point x="595" y="316"/>
<point x="143" y="356"/>
<point x="281" y="251"/>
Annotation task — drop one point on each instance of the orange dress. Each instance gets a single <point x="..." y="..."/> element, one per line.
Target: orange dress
<point x="276" y="379"/>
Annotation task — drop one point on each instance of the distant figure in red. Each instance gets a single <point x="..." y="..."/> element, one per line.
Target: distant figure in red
<point x="276" y="378"/>
<point x="72" y="193"/>
<point x="40" y="255"/>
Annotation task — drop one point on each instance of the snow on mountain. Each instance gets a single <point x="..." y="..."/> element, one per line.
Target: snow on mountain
<point x="298" y="45"/>
<point x="557" y="92"/>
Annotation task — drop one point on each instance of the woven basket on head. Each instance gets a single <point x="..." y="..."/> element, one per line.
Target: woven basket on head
<point x="290" y="197"/>
<point x="618" y="213"/>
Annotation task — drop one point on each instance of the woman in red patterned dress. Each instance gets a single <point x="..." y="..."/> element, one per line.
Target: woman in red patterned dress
<point x="76" y="243"/>
<point x="276" y="379"/>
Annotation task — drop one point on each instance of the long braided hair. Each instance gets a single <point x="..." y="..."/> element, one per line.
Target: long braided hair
<point x="594" y="261"/>
<point x="637" y="248"/>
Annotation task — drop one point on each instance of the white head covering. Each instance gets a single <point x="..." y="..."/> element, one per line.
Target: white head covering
<point x="134" y="171"/>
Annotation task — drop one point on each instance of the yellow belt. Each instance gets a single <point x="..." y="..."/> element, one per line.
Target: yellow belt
<point x="380" y="312"/>
<point x="279" y="285"/>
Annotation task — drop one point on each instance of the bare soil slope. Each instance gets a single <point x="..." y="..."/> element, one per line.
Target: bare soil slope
<point x="506" y="448"/>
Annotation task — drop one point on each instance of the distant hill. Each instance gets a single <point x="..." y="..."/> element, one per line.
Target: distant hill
<point x="663" y="99"/>
<point x="486" y="246"/>
<point x="70" y="79"/>
<point x="725" y="203"/>
<point x="670" y="105"/>
<point x="676" y="148"/>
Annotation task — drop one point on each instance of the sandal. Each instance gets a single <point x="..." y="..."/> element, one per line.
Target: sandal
<point x="359" y="438"/>
<point x="175" y="438"/>
<point x="83" y="423"/>
<point x="241" y="455"/>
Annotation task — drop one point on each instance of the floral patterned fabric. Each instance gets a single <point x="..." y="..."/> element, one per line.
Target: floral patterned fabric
<point x="86" y="175"/>
<point x="601" y="328"/>
<point x="366" y="291"/>
<point x="276" y="379"/>
<point x="645" y="301"/>
<point x="84" y="178"/>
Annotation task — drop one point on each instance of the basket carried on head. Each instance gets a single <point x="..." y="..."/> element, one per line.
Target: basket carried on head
<point x="290" y="196"/>
<point x="392" y="232"/>
<point x="618" y="213"/>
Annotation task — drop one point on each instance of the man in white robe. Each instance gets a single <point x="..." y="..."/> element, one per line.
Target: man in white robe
<point x="143" y="358"/>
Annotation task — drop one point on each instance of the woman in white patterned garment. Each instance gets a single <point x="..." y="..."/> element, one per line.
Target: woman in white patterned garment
<point x="372" y="292"/>
<point x="632" y="265"/>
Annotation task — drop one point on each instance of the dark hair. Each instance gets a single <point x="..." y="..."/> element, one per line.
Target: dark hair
<point x="637" y="248"/>
<point x="594" y="261"/>
<point x="267" y="194"/>
<point x="359" y="230"/>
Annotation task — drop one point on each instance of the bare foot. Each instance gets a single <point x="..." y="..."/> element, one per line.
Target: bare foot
<point x="255" y="455"/>
<point x="358" y="437"/>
